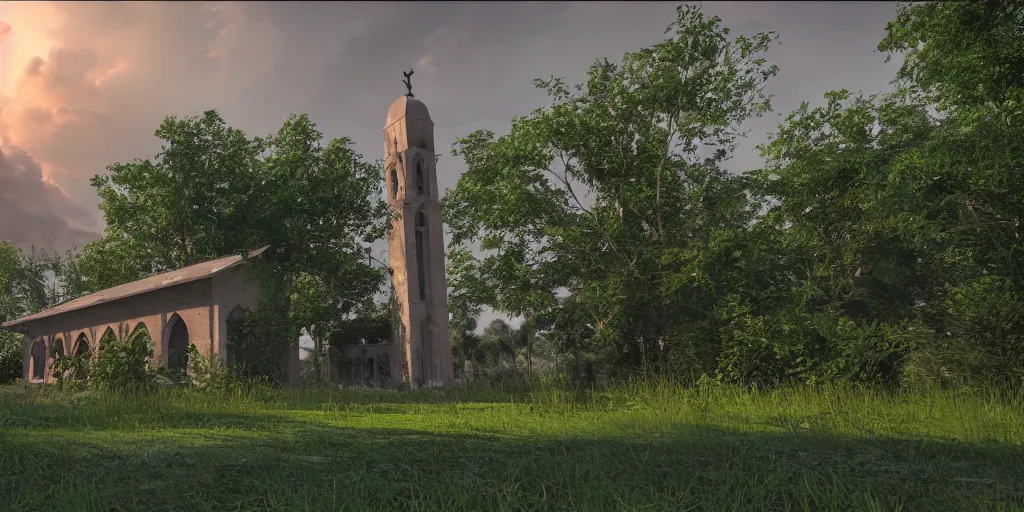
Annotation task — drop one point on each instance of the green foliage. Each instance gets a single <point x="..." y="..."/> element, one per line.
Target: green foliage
<point x="208" y="372"/>
<point x="23" y="292"/>
<point x="10" y="356"/>
<point x="880" y="242"/>
<point x="213" y="191"/>
<point x="71" y="371"/>
<point x="643" y="139"/>
<point x="124" y="367"/>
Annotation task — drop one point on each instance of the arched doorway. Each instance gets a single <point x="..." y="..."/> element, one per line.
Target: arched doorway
<point x="177" y="344"/>
<point x="38" y="370"/>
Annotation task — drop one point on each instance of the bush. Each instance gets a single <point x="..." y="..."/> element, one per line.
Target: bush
<point x="10" y="356"/>
<point x="71" y="371"/>
<point x="208" y="372"/>
<point x="124" y="366"/>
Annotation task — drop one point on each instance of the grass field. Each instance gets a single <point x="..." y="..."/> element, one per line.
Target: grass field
<point x="656" y="448"/>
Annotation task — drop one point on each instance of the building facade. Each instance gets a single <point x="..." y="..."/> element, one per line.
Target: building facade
<point x="197" y="305"/>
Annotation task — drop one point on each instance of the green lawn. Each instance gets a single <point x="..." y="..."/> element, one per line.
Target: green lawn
<point x="650" y="449"/>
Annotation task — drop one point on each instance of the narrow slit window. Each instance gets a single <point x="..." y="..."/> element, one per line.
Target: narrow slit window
<point x="394" y="184"/>
<point x="421" y="235"/>
<point x="421" y="181"/>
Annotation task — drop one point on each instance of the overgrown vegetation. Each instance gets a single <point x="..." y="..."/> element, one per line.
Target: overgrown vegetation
<point x="881" y="243"/>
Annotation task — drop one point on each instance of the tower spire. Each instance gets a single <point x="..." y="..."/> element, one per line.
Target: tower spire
<point x="422" y="353"/>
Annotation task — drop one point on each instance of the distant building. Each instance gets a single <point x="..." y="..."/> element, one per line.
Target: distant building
<point x="199" y="305"/>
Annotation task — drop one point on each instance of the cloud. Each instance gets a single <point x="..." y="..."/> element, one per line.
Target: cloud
<point x="427" y="62"/>
<point x="90" y="82"/>
<point x="34" y="211"/>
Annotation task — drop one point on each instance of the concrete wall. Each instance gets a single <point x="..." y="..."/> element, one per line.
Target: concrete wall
<point x="203" y="306"/>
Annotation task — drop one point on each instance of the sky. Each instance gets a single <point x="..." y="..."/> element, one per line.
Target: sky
<point x="84" y="84"/>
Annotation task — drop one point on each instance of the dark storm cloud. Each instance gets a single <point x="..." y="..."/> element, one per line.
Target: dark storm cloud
<point x="114" y="70"/>
<point x="32" y="211"/>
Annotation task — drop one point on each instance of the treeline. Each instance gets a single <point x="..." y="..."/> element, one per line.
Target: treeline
<point x="880" y="243"/>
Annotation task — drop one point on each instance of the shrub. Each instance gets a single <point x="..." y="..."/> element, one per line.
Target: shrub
<point x="71" y="371"/>
<point x="10" y="356"/>
<point x="124" y="366"/>
<point x="208" y="372"/>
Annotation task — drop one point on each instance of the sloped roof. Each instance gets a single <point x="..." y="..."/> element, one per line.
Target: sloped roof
<point x="188" y="274"/>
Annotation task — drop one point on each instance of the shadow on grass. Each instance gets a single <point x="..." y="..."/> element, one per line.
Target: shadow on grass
<point x="298" y="464"/>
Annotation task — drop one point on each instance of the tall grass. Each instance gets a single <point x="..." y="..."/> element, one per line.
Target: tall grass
<point x="641" y="446"/>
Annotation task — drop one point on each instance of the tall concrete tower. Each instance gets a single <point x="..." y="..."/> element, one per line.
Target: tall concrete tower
<point x="416" y="246"/>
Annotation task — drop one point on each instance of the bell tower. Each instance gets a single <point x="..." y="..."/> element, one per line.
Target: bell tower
<point x="422" y="352"/>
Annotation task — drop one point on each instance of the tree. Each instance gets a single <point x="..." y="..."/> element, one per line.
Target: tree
<point x="643" y="140"/>
<point x="214" y="191"/>
<point x="22" y="293"/>
<point x="900" y="214"/>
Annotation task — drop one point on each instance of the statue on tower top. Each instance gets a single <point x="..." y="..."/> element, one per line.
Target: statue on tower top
<point x="408" y="83"/>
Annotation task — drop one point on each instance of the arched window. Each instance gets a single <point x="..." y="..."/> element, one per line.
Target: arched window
<point x="421" y="182"/>
<point x="38" y="360"/>
<point x="234" y="332"/>
<point x="394" y="183"/>
<point x="421" y="253"/>
<point x="81" y="345"/>
<point x="57" y="349"/>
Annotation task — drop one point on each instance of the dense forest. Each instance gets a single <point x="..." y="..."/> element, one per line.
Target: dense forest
<point x="881" y="242"/>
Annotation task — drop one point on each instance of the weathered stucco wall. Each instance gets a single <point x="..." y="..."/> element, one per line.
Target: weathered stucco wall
<point x="191" y="302"/>
<point x="422" y="355"/>
<point x="203" y="305"/>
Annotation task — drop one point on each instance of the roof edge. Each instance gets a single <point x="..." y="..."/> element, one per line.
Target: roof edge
<point x="31" y="318"/>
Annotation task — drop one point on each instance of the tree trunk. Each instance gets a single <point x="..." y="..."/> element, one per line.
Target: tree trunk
<point x="529" y="351"/>
<point x="317" y="354"/>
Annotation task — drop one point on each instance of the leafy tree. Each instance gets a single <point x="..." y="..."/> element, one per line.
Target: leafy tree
<point x="614" y="189"/>
<point x="213" y="191"/>
<point x="22" y="292"/>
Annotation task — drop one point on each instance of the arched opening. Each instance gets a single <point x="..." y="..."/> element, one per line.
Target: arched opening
<point x="140" y="340"/>
<point x="79" y="364"/>
<point x="421" y="181"/>
<point x="177" y="344"/>
<point x="57" y="349"/>
<point x="421" y="253"/>
<point x="394" y="183"/>
<point x="108" y="338"/>
<point x="82" y="345"/>
<point x="38" y="362"/>
<point x="234" y="354"/>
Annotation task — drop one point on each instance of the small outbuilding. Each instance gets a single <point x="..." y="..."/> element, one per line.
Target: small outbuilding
<point x="197" y="305"/>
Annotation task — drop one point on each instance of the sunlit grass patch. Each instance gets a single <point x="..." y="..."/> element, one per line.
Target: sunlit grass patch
<point x="652" y="447"/>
